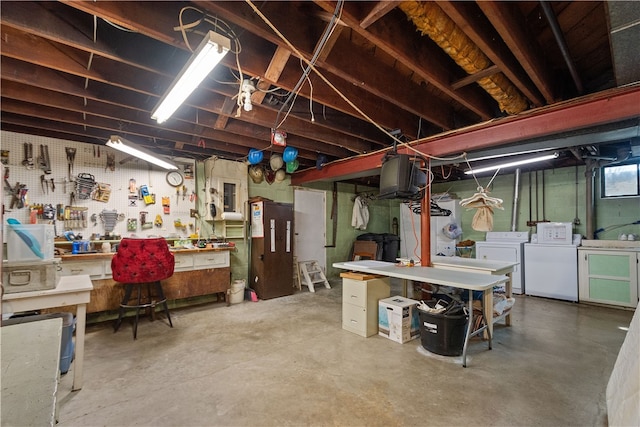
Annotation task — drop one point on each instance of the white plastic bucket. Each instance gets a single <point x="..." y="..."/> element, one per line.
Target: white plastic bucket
<point x="236" y="294"/>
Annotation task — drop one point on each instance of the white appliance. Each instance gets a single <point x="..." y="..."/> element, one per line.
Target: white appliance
<point x="506" y="246"/>
<point x="410" y="245"/>
<point x="551" y="262"/>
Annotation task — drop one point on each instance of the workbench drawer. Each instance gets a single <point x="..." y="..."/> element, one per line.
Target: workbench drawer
<point x="211" y="260"/>
<point x="95" y="270"/>
<point x="183" y="262"/>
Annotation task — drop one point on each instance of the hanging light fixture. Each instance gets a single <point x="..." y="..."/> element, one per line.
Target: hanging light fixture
<point x="513" y="163"/>
<point x="279" y="138"/>
<point x="204" y="59"/>
<point x="132" y="149"/>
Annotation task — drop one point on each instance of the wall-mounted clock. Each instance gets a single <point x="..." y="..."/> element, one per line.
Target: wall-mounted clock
<point x="175" y="178"/>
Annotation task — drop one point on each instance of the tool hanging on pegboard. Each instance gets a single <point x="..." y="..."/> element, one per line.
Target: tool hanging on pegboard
<point x="43" y="159"/>
<point x="28" y="156"/>
<point x="111" y="162"/>
<point x="101" y="192"/>
<point x="75" y="217"/>
<point x="109" y="218"/>
<point x="166" y="205"/>
<point x="71" y="156"/>
<point x="144" y="224"/>
<point x="85" y="183"/>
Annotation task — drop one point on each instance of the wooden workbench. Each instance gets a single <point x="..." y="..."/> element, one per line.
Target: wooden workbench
<point x="197" y="272"/>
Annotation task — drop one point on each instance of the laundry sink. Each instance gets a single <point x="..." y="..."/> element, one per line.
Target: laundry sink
<point x="623" y="244"/>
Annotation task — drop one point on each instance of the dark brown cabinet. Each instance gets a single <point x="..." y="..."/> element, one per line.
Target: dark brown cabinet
<point x="271" y="249"/>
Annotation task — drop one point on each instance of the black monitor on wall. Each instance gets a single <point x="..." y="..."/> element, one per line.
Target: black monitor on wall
<point x="401" y="177"/>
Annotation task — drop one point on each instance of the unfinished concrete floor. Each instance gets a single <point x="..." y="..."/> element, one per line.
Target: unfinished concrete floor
<point x="287" y="361"/>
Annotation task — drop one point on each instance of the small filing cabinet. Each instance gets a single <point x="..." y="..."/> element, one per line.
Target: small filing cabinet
<point x="360" y="304"/>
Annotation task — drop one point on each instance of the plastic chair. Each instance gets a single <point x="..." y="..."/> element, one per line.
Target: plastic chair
<point x="140" y="262"/>
<point x="364" y="249"/>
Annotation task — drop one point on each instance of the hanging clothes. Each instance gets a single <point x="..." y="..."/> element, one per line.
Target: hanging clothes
<point x="483" y="218"/>
<point x="360" y="217"/>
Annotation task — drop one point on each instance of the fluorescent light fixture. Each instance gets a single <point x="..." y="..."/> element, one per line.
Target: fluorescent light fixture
<point x="204" y="59"/>
<point x="514" y="163"/>
<point x="130" y="148"/>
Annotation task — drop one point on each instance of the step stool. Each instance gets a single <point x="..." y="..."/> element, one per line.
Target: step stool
<point x="312" y="274"/>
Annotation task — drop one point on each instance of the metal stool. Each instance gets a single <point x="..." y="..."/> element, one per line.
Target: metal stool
<point x="145" y="302"/>
<point x="141" y="263"/>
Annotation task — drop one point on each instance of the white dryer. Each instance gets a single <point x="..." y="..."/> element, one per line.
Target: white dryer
<point x="506" y="246"/>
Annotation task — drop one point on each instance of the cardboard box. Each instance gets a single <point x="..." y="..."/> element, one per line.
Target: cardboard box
<point x="398" y="319"/>
<point x="30" y="276"/>
<point x="30" y="242"/>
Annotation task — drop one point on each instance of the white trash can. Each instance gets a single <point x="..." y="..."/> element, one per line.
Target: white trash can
<point x="236" y="294"/>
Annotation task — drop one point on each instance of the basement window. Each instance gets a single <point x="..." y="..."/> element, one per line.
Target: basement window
<point x="620" y="180"/>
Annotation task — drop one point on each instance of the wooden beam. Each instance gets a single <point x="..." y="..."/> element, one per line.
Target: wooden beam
<point x="277" y="64"/>
<point x="227" y="110"/>
<point x="475" y="77"/>
<point x="511" y="26"/>
<point x="378" y="10"/>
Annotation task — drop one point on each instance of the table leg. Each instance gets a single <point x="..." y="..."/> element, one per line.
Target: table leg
<point x="487" y="307"/>
<point x="508" y="289"/>
<point x="468" y="333"/>
<point x="81" y="319"/>
<point x="405" y="284"/>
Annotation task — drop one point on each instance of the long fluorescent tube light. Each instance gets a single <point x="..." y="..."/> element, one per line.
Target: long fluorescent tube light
<point x="514" y="163"/>
<point x="204" y="59"/>
<point x="130" y="148"/>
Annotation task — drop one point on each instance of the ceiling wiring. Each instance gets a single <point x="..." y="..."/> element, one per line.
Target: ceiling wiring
<point x="331" y="26"/>
<point x="311" y="66"/>
<point x="120" y="27"/>
<point x="313" y="118"/>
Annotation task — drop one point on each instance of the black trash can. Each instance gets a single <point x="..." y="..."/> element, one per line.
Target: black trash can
<point x="391" y="245"/>
<point x="443" y="333"/>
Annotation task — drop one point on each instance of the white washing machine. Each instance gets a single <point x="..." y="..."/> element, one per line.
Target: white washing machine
<point x="506" y="246"/>
<point x="551" y="262"/>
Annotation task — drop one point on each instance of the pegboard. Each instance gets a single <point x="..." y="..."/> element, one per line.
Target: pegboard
<point x="124" y="183"/>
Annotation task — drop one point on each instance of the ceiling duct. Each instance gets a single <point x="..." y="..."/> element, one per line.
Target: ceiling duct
<point x="431" y="20"/>
<point x="624" y="25"/>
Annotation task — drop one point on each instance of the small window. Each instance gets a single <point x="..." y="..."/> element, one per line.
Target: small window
<point x="621" y="180"/>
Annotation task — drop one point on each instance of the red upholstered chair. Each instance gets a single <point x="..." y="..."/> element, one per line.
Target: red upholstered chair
<point x="140" y="262"/>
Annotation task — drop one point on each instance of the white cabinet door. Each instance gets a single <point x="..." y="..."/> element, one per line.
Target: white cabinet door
<point x="608" y="276"/>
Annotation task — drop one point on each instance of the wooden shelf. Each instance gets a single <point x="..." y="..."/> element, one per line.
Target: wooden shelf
<point x="230" y="229"/>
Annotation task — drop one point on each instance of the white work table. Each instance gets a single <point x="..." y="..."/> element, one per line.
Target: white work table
<point x="443" y="277"/>
<point x="30" y="365"/>
<point x="71" y="290"/>
<point x="481" y="266"/>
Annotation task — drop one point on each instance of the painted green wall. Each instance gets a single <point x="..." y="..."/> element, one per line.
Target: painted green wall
<point x="380" y="220"/>
<point x="557" y="203"/>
